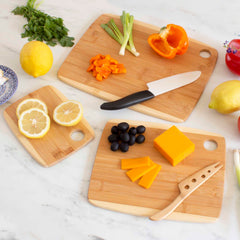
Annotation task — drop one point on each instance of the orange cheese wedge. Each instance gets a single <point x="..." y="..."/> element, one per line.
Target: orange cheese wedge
<point x="136" y="173"/>
<point x="135" y="162"/>
<point x="174" y="145"/>
<point x="147" y="180"/>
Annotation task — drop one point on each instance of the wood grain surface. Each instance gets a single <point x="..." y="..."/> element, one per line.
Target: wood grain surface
<point x="111" y="188"/>
<point x="57" y="144"/>
<point x="175" y="106"/>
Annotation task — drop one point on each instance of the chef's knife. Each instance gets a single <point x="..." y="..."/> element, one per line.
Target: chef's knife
<point x="154" y="88"/>
<point x="186" y="187"/>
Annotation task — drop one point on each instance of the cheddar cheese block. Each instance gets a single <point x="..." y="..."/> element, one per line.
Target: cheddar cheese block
<point x="174" y="145"/>
<point x="135" y="162"/>
<point x="147" y="180"/>
<point x="136" y="173"/>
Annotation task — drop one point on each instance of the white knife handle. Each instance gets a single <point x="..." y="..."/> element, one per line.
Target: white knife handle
<point x="168" y="210"/>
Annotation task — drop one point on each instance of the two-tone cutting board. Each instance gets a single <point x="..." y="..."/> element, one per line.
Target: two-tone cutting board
<point x="58" y="143"/>
<point x="110" y="187"/>
<point x="174" y="106"/>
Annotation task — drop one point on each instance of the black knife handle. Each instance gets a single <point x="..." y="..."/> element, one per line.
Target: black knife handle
<point x="128" y="101"/>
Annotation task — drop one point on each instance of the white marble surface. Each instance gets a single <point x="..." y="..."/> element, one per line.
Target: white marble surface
<point x="41" y="204"/>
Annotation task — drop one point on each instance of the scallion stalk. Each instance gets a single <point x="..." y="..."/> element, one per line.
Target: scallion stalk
<point x="127" y="22"/>
<point x="111" y="33"/>
<point x="125" y="39"/>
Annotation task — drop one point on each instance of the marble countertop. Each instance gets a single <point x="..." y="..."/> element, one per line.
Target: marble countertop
<point x="38" y="203"/>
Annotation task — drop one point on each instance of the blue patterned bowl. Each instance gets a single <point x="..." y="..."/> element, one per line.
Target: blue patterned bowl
<point x="10" y="86"/>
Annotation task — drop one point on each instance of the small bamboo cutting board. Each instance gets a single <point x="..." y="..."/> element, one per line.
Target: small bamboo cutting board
<point x="175" y="105"/>
<point x="110" y="187"/>
<point x="57" y="144"/>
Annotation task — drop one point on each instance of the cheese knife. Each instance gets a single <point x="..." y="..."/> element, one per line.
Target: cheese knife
<point x="155" y="88"/>
<point x="186" y="187"/>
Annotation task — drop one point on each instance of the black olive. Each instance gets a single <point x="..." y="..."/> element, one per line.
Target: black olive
<point x="132" y="131"/>
<point x="131" y="140"/>
<point x="114" y="130"/>
<point x="114" y="146"/>
<point x="141" y="129"/>
<point x="113" y="138"/>
<point x="124" y="147"/>
<point x="123" y="126"/>
<point x="124" y="137"/>
<point x="140" y="138"/>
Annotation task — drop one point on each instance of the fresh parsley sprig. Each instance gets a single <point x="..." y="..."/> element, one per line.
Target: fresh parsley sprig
<point x="43" y="27"/>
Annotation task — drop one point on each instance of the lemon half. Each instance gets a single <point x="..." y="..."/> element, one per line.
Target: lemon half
<point x="68" y="113"/>
<point x="34" y="123"/>
<point x="30" y="103"/>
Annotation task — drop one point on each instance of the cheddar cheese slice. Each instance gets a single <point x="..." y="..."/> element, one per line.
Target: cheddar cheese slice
<point x="174" y="145"/>
<point x="135" y="162"/>
<point x="136" y="173"/>
<point x="147" y="180"/>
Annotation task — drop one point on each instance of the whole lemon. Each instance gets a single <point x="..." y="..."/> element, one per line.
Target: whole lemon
<point x="36" y="58"/>
<point x="225" y="97"/>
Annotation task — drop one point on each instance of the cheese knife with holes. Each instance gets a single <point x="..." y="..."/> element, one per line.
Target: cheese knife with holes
<point x="186" y="187"/>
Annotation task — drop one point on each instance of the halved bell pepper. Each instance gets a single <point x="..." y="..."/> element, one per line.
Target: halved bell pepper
<point x="172" y="40"/>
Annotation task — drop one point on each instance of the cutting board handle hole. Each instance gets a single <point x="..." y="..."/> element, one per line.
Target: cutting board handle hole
<point x="210" y="145"/>
<point x="77" y="135"/>
<point x="205" y="53"/>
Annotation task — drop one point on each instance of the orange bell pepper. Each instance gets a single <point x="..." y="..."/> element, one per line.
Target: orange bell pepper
<point x="172" y="40"/>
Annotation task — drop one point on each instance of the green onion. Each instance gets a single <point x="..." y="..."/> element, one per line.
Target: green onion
<point x="237" y="165"/>
<point x="125" y="39"/>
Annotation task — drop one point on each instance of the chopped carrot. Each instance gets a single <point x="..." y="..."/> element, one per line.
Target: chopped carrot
<point x="102" y="66"/>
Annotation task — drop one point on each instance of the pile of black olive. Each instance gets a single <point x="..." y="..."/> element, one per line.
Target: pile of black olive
<point x="122" y="136"/>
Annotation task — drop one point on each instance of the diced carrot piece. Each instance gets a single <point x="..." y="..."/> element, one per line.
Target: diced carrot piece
<point x="95" y="58"/>
<point x="102" y="66"/>
<point x="90" y="68"/>
<point x="113" y="61"/>
<point x="95" y="73"/>
<point x="99" y="77"/>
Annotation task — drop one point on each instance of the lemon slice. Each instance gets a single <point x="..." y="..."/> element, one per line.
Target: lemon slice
<point x="68" y="113"/>
<point x="30" y="103"/>
<point x="34" y="123"/>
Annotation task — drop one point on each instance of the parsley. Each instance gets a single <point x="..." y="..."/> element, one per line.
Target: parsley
<point x="43" y="27"/>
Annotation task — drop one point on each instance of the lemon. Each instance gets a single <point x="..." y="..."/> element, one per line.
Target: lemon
<point x="225" y="97"/>
<point x="30" y="103"/>
<point x="34" y="123"/>
<point x="68" y="113"/>
<point x="36" y="58"/>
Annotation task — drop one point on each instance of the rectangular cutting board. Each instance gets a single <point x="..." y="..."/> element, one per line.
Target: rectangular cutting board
<point x="175" y="106"/>
<point x="57" y="144"/>
<point x="110" y="187"/>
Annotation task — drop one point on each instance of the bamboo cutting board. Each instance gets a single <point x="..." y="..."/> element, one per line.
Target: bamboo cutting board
<point x="110" y="187"/>
<point x="58" y="143"/>
<point x="174" y="106"/>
